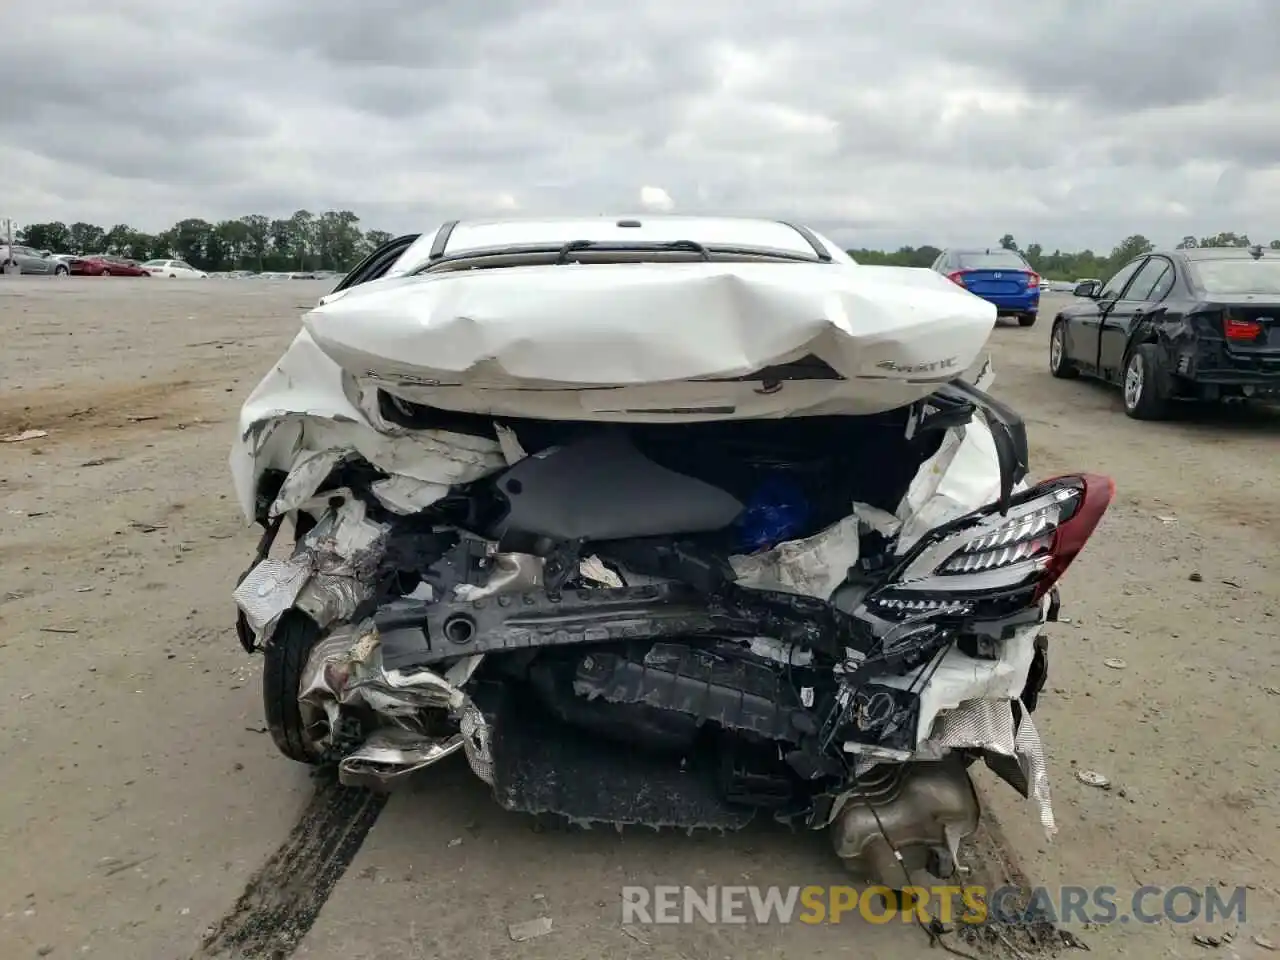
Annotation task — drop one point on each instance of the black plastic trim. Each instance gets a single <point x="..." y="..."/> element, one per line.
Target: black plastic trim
<point x="810" y="238"/>
<point x="554" y="250"/>
<point x="377" y="263"/>
<point x="441" y="241"/>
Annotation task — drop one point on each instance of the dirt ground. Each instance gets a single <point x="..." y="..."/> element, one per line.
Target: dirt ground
<point x="141" y="793"/>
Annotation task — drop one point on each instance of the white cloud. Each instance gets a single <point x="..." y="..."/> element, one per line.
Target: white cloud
<point x="868" y="120"/>
<point x="656" y="199"/>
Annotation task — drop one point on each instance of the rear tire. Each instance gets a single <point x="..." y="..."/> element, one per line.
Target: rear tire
<point x="1027" y="320"/>
<point x="60" y="271"/>
<point x="1059" y="365"/>
<point x="104" y="273"/>
<point x="285" y="658"/>
<point x="1145" y="384"/>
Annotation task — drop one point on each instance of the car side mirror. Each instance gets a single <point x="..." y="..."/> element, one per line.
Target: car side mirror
<point x="1089" y="288"/>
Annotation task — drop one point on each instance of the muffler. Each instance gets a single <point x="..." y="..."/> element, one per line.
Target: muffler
<point x="907" y="818"/>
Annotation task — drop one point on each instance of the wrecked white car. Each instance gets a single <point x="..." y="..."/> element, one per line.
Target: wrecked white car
<point x="665" y="521"/>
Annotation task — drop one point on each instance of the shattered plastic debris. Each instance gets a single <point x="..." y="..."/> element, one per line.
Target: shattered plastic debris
<point x="305" y="477"/>
<point x="509" y="444"/>
<point x="270" y="589"/>
<point x="814" y="566"/>
<point x="1091" y="778"/>
<point x="405" y="495"/>
<point x="593" y="569"/>
<point x="1115" y="663"/>
<point x="25" y="435"/>
<point x="529" y="929"/>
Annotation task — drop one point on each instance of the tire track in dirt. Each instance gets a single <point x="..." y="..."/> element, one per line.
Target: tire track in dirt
<point x="285" y="895"/>
<point x="77" y="411"/>
<point x="91" y="405"/>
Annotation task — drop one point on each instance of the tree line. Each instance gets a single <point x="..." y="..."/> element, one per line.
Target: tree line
<point x="1060" y="264"/>
<point x="333" y="240"/>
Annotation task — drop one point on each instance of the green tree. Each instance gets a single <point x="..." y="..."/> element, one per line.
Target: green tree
<point x="54" y="236"/>
<point x="1134" y="246"/>
<point x="1227" y="239"/>
<point x="302" y="226"/>
<point x="86" y="238"/>
<point x="258" y="233"/>
<point x="373" y="239"/>
<point x="1008" y="243"/>
<point x="191" y="241"/>
<point x="337" y="238"/>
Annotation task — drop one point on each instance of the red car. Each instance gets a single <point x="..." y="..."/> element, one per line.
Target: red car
<point x="104" y="265"/>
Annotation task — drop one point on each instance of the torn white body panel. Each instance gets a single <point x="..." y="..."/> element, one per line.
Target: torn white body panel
<point x="963" y="475"/>
<point x="955" y="678"/>
<point x="301" y="419"/>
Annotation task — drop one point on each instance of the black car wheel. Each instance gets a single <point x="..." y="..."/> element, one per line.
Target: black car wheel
<point x="1059" y="365"/>
<point x="1145" y="384"/>
<point x="285" y="654"/>
<point x="1027" y="320"/>
<point x="60" y="271"/>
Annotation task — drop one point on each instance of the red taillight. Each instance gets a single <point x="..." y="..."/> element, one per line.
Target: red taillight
<point x="957" y="277"/>
<point x="1244" y="330"/>
<point x="1074" y="532"/>
<point x="1033" y="279"/>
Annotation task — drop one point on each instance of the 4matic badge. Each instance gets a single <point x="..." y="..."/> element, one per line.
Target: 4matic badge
<point x="932" y="366"/>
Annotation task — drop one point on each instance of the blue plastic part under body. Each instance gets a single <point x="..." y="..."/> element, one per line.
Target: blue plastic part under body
<point x="778" y="510"/>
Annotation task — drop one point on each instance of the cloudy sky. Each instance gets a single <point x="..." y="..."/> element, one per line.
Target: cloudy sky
<point x="1068" y="123"/>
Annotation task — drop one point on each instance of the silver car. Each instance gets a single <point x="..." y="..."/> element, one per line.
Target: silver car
<point x="32" y="261"/>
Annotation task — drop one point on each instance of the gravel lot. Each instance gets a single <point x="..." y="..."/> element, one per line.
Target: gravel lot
<point x="141" y="793"/>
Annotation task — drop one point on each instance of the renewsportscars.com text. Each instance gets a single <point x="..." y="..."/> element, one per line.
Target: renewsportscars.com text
<point x="950" y="904"/>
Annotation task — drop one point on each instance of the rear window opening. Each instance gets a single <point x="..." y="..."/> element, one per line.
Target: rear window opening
<point x="1238" y="277"/>
<point x="995" y="260"/>
<point x="586" y="252"/>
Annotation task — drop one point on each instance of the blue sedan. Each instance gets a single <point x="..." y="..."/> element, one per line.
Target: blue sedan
<point x="999" y="276"/>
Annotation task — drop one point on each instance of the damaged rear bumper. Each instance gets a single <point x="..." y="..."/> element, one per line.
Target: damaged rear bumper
<point x="399" y="668"/>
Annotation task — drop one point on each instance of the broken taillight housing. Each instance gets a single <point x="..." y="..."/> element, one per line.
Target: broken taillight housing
<point x="993" y="563"/>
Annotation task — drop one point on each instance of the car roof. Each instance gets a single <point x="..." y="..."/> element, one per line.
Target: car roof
<point x="996" y="249"/>
<point x="766" y="235"/>
<point x="1215" y="253"/>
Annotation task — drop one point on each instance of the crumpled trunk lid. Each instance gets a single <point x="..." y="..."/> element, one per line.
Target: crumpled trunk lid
<point x="645" y="340"/>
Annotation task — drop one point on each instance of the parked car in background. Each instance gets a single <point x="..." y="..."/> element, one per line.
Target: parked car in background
<point x="999" y="276"/>
<point x="29" y="261"/>
<point x="178" y="269"/>
<point x="105" y="265"/>
<point x="1198" y="324"/>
